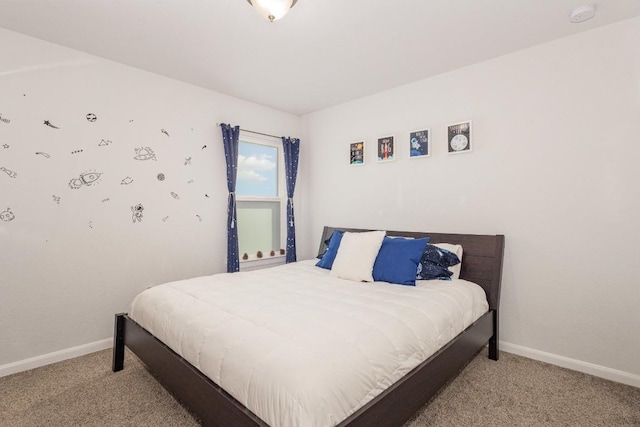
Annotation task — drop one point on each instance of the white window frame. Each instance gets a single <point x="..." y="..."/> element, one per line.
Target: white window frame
<point x="253" y="262"/>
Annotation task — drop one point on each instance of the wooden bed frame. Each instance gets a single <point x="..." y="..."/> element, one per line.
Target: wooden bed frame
<point x="482" y="264"/>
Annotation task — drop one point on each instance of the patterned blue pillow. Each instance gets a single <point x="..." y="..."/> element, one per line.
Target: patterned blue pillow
<point x="435" y="264"/>
<point x="327" y="258"/>
<point x="326" y="243"/>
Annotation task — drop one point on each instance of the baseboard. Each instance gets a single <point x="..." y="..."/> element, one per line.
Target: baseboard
<point x="554" y="359"/>
<point x="573" y="364"/>
<point x="57" y="356"/>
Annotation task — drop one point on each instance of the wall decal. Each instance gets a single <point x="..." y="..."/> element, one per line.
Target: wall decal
<point x="3" y="120"/>
<point x="90" y="224"/>
<point x="105" y="200"/>
<point x="207" y="196"/>
<point x="104" y="143"/>
<point x="136" y="215"/>
<point x="131" y="121"/>
<point x="203" y="147"/>
<point x="77" y="151"/>
<point x="11" y="174"/>
<point x="5" y="145"/>
<point x="175" y="196"/>
<point x="126" y="181"/>
<point x="7" y="215"/>
<point x="91" y="117"/>
<point x="165" y="219"/>
<point x="47" y="155"/>
<point x="145" y="153"/>
<point x="56" y="199"/>
<point x="187" y="161"/>
<point x="190" y="181"/>
<point x="199" y="219"/>
<point x="87" y="178"/>
<point x="163" y="130"/>
<point x="160" y="177"/>
<point x="48" y="123"/>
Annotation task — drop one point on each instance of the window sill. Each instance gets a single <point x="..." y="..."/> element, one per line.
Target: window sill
<point x="255" y="263"/>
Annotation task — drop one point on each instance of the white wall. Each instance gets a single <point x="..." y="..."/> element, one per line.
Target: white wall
<point x="554" y="167"/>
<point x="67" y="267"/>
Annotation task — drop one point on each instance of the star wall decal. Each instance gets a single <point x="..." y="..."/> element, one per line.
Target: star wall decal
<point x="48" y="123"/>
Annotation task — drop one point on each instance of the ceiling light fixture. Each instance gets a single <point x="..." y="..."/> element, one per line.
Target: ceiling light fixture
<point x="272" y="9"/>
<point x="582" y="13"/>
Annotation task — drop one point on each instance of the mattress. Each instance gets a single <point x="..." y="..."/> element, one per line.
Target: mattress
<point x="298" y="347"/>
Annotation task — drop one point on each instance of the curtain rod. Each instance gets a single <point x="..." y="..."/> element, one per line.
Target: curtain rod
<point x="257" y="133"/>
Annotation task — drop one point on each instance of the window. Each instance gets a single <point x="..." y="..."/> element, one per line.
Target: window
<point x="260" y="196"/>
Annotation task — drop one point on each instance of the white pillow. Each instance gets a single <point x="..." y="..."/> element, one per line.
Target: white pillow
<point x="456" y="249"/>
<point x="356" y="255"/>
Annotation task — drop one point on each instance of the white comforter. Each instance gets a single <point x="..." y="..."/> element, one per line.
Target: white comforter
<point x="300" y="348"/>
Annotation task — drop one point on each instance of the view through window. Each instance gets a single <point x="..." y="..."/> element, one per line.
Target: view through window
<point x="259" y="197"/>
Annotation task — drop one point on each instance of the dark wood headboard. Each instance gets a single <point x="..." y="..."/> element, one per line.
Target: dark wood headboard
<point x="481" y="258"/>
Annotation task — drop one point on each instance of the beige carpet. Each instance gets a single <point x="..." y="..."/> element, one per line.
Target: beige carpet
<point x="512" y="392"/>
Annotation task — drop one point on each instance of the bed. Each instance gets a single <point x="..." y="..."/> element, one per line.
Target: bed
<point x="392" y="405"/>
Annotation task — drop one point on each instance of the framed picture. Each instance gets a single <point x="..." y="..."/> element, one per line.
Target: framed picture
<point x="356" y="153"/>
<point x="419" y="143"/>
<point x="386" y="149"/>
<point x="459" y="138"/>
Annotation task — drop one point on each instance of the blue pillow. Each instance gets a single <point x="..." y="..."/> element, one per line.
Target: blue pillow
<point x="398" y="260"/>
<point x="332" y="250"/>
<point x="435" y="264"/>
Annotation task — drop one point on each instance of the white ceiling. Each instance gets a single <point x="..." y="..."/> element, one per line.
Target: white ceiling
<point x="323" y="53"/>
